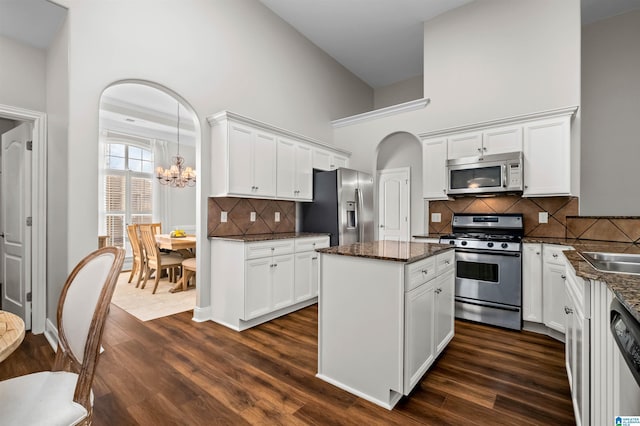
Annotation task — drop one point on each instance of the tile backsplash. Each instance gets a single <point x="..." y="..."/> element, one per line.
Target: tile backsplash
<point x="604" y="228"/>
<point x="239" y="211"/>
<point x="558" y="208"/>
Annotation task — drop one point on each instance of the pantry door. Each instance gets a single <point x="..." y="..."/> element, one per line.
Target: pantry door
<point x="393" y="204"/>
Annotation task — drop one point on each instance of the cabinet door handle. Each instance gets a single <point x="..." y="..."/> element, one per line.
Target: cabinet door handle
<point x="555" y="255"/>
<point x="479" y="149"/>
<point x="424" y="271"/>
<point x="568" y="310"/>
<point x="314" y="258"/>
<point x="444" y="190"/>
<point x="564" y="277"/>
<point x="484" y="148"/>
<point x="446" y="262"/>
<point x="537" y="252"/>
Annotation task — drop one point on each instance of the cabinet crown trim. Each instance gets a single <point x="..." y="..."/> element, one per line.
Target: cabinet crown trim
<point x="381" y="112"/>
<point x="218" y="118"/>
<point x="516" y="119"/>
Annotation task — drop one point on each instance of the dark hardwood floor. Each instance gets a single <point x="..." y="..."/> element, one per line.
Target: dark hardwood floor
<point x="173" y="371"/>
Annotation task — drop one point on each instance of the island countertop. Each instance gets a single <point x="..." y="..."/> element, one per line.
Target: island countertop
<point x="397" y="251"/>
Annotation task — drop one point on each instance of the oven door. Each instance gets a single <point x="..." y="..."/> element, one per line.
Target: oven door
<point x="489" y="276"/>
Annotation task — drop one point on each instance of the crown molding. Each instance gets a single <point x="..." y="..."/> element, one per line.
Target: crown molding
<point x="382" y="112"/>
<point x="217" y="118"/>
<point x="503" y="121"/>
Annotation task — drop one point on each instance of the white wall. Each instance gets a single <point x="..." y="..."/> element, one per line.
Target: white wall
<point x="486" y="60"/>
<point x="6" y="125"/>
<point x="405" y="150"/>
<point x="611" y="111"/>
<point x="215" y="54"/>
<point x="397" y="93"/>
<point x="57" y="108"/>
<point x="22" y="73"/>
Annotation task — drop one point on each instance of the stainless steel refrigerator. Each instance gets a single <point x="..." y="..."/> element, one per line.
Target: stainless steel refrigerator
<point x="342" y="206"/>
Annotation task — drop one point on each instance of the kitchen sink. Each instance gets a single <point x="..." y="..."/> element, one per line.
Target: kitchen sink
<point x="613" y="262"/>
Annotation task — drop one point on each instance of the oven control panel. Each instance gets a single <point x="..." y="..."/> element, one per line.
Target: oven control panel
<point x="482" y="245"/>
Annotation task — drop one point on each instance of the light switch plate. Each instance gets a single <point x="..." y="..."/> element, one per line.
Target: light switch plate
<point x="436" y="217"/>
<point x="223" y="217"/>
<point x="252" y="216"/>
<point x="277" y="218"/>
<point x="543" y="217"/>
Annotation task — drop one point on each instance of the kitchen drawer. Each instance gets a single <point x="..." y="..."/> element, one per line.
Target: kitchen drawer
<point x="445" y="261"/>
<point x="419" y="272"/>
<point x="553" y="254"/>
<point x="311" y="243"/>
<point x="268" y="248"/>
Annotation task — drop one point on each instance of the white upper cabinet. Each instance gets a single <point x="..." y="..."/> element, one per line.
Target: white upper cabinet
<point x="487" y="142"/>
<point x="294" y="176"/>
<point x="547" y="157"/>
<point x="550" y="167"/>
<point x="254" y="159"/>
<point x="502" y="139"/>
<point x="464" y="145"/>
<point x="434" y="174"/>
<point x="324" y="159"/>
<point x="252" y="162"/>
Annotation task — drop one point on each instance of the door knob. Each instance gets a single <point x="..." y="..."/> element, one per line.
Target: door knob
<point x="381" y="226"/>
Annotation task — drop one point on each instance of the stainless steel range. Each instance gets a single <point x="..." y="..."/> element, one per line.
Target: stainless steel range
<point x="488" y="267"/>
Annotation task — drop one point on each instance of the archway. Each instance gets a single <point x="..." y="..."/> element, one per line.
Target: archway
<point x="401" y="150"/>
<point x="143" y="125"/>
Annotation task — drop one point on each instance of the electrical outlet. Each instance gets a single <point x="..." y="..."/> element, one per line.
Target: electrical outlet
<point x="543" y="217"/>
<point x="277" y="218"/>
<point x="223" y="217"/>
<point x="436" y="217"/>
<point x="252" y="216"/>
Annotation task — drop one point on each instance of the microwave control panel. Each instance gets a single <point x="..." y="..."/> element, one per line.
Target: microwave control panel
<point x="515" y="175"/>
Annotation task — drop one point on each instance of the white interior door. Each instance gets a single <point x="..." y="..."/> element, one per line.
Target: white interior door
<point x="16" y="207"/>
<point x="393" y="204"/>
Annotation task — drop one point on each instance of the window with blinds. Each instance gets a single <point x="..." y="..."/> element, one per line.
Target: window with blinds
<point x="128" y="189"/>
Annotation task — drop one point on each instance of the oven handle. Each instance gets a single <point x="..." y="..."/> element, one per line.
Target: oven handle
<point x="487" y="304"/>
<point x="489" y="253"/>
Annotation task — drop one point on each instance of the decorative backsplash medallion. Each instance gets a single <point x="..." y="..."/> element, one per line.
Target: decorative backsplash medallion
<point x="557" y="207"/>
<point x="239" y="216"/>
<point x="604" y="228"/>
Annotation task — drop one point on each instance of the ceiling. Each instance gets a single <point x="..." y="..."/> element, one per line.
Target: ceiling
<point x="380" y="41"/>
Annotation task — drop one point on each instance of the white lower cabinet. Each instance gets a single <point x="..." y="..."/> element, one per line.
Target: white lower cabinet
<point x="257" y="281"/>
<point x="532" y="282"/>
<point x="577" y="340"/>
<point x="429" y="315"/>
<point x="553" y="294"/>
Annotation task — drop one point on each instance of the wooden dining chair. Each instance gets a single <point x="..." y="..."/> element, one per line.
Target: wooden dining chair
<point x="137" y="267"/>
<point x="63" y="396"/>
<point x="157" y="228"/>
<point x="188" y="272"/>
<point x="155" y="260"/>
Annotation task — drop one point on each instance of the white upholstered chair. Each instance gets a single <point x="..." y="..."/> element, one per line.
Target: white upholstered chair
<point x="63" y="396"/>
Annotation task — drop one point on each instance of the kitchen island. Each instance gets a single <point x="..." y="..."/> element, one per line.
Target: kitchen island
<point x="385" y="312"/>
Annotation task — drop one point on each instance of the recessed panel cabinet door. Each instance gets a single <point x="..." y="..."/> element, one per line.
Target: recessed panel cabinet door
<point x="434" y="175"/>
<point x="240" y="159"/>
<point x="304" y="172"/>
<point x="419" y="333"/>
<point x="445" y="308"/>
<point x="282" y="282"/>
<point x="264" y="164"/>
<point x="257" y="287"/>
<point x="286" y="161"/>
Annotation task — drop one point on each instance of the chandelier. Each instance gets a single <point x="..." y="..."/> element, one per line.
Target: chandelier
<point x="177" y="176"/>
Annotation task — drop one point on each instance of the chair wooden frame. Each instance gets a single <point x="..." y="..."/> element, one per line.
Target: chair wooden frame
<point x="138" y="265"/>
<point x="156" y="261"/>
<point x="65" y="359"/>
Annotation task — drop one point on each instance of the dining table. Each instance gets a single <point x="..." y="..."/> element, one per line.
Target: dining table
<point x="11" y="333"/>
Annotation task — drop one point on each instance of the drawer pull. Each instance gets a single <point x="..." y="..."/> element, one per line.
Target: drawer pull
<point x="564" y="277"/>
<point x="446" y="262"/>
<point x="424" y="271"/>
<point x="568" y="310"/>
<point x="555" y="255"/>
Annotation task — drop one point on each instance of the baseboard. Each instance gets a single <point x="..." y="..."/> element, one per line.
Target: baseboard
<point x="51" y="334"/>
<point x="201" y="314"/>
<point x="539" y="328"/>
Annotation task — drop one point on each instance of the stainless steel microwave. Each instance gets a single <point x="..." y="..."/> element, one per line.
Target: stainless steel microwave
<point x="485" y="174"/>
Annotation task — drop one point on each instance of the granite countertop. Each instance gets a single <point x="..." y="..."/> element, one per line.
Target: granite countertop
<point x="398" y="251"/>
<point x="267" y="237"/>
